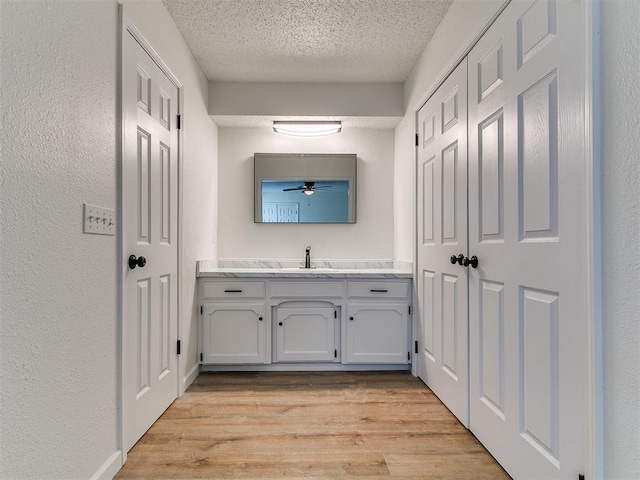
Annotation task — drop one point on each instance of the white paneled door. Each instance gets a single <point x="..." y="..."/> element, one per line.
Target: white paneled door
<point x="528" y="211"/>
<point x="441" y="284"/>
<point x="150" y="231"/>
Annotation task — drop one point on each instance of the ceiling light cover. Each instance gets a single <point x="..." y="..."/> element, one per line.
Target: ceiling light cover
<point x="308" y="193"/>
<point x="307" y="128"/>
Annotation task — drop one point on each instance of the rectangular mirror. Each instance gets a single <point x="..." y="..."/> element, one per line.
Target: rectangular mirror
<point x="304" y="188"/>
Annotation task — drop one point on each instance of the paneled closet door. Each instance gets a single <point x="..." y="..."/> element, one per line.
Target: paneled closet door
<point x="150" y="232"/>
<point x="442" y="237"/>
<point x="527" y="226"/>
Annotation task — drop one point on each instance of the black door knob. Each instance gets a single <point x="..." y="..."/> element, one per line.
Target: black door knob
<point x="136" y="261"/>
<point x="457" y="259"/>
<point x="473" y="261"/>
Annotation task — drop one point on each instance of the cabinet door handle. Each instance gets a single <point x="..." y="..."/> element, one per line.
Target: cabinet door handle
<point x="260" y="318"/>
<point x="232" y="290"/>
<point x="351" y="318"/>
<point x="280" y="323"/>
<point x="379" y="290"/>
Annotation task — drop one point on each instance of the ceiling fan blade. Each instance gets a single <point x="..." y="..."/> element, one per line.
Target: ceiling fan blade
<point x="290" y="189"/>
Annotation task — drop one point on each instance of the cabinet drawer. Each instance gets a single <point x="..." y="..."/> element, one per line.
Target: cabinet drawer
<point x="378" y="289"/>
<point x="309" y="289"/>
<point x="229" y="290"/>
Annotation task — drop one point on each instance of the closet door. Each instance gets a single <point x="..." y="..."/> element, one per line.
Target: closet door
<point x="528" y="210"/>
<point x="442" y="237"/>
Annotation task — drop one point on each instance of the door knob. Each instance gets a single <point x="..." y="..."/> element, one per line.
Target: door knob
<point x="473" y="261"/>
<point x="457" y="259"/>
<point x="136" y="261"/>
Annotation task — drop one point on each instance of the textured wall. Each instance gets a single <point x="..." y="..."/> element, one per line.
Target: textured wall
<point x="306" y="99"/>
<point x="59" y="347"/>
<point x="370" y="238"/>
<point x="58" y="337"/>
<point x="621" y="236"/>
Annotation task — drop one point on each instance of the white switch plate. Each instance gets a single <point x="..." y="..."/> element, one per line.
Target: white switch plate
<point x="98" y="220"/>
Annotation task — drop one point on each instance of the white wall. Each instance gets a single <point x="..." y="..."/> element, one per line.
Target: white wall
<point x="621" y="236"/>
<point x="59" y="373"/>
<point x="370" y="238"/>
<point x="462" y="23"/>
<point x="58" y="341"/>
<point x="306" y="99"/>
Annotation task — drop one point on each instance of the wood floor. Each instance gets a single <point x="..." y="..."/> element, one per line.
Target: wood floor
<point x="309" y="425"/>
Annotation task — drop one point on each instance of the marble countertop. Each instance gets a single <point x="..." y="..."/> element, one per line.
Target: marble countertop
<point x="293" y="269"/>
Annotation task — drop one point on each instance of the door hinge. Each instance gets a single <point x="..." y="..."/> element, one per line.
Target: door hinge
<point x="335" y="314"/>
<point x="201" y="358"/>
<point x="417" y="141"/>
<point x="409" y="309"/>
<point x="178" y="348"/>
<point x="335" y="353"/>
<point x="178" y="122"/>
<point x="416" y="346"/>
<point x="201" y="310"/>
<point x="409" y="356"/>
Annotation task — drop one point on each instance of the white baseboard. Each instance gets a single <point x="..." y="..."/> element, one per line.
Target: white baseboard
<point x="189" y="377"/>
<point x="304" y="367"/>
<point x="109" y="469"/>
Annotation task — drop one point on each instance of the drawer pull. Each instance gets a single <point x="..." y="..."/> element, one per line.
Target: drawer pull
<point x="231" y="290"/>
<point x="379" y="290"/>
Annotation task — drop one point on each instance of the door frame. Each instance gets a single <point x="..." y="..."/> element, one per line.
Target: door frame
<point x="590" y="22"/>
<point x="127" y="27"/>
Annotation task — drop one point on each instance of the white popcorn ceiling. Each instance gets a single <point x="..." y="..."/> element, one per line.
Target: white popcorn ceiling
<point x="307" y="40"/>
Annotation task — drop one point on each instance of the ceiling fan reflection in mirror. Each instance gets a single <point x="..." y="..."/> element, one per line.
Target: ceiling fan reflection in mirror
<point x="308" y="188"/>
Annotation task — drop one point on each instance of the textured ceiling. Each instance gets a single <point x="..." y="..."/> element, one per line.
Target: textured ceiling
<point x="307" y="40"/>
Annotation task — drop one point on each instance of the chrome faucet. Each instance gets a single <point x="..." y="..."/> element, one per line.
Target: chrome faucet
<point x="307" y="258"/>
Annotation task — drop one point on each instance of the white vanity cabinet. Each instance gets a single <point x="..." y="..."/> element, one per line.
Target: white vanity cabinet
<point x="378" y="322"/>
<point x="321" y="322"/>
<point x="233" y="322"/>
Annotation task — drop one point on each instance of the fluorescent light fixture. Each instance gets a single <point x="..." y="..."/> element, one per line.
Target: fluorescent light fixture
<point x="307" y="128"/>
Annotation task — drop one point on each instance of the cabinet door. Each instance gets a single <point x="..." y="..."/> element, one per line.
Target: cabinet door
<point x="305" y="334"/>
<point x="377" y="333"/>
<point x="234" y="333"/>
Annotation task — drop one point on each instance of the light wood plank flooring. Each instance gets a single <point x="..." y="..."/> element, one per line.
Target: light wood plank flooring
<point x="309" y="425"/>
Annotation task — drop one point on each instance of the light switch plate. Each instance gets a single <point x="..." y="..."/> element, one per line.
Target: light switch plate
<point x="98" y="220"/>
